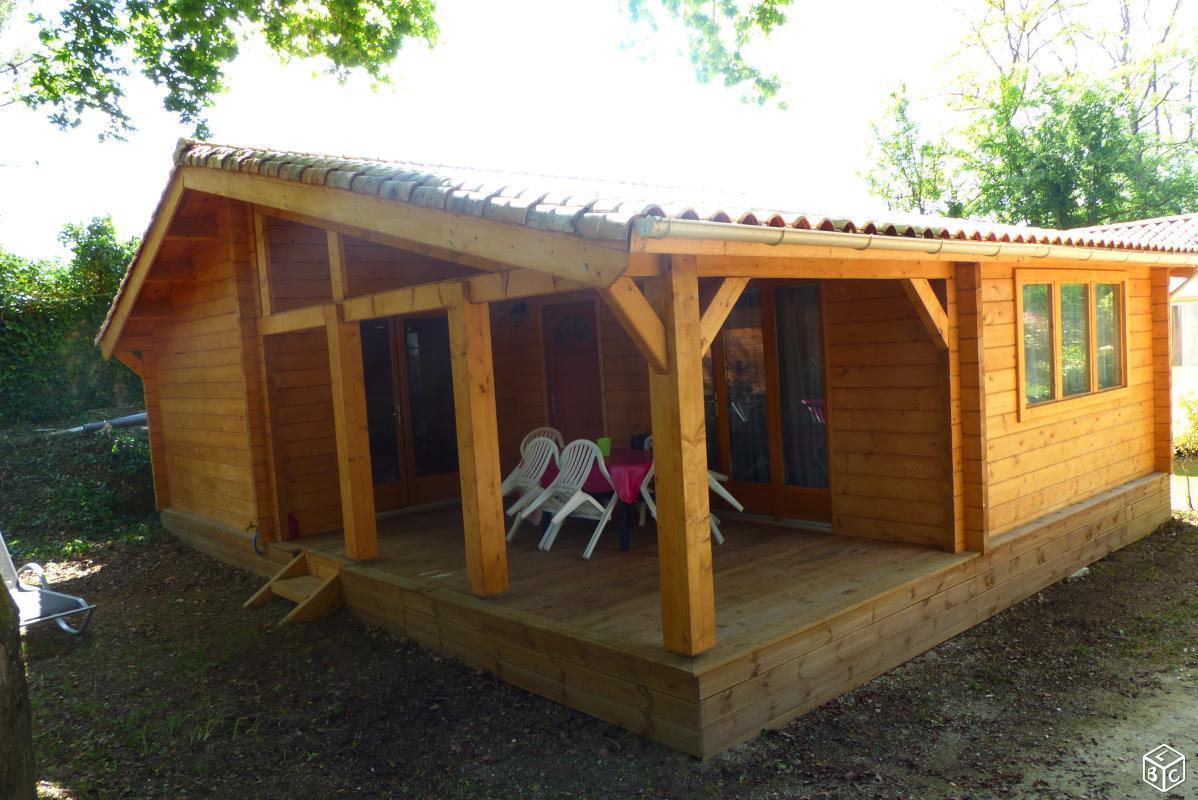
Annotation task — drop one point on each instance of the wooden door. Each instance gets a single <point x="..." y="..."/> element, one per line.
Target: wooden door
<point x="409" y="410"/>
<point x="572" y="369"/>
<point x="764" y="388"/>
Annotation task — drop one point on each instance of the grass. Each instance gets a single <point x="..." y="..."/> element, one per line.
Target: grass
<point x="67" y="493"/>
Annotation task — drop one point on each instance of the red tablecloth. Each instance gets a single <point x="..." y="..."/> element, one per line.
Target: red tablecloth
<point x="627" y="467"/>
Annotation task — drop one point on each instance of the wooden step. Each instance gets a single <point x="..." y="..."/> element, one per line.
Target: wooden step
<point x="314" y="587"/>
<point x="297" y="589"/>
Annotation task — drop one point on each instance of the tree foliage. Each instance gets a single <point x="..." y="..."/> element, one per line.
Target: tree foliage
<point x="88" y="52"/>
<point x="185" y="46"/>
<point x="1061" y="121"/>
<point x="918" y="178"/>
<point x="49" y="313"/>
<point x="717" y="33"/>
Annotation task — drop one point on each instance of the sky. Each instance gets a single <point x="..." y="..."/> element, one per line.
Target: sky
<point x="565" y="87"/>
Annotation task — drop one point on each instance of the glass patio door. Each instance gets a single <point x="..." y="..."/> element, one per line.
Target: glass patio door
<point x="765" y="399"/>
<point x="409" y="386"/>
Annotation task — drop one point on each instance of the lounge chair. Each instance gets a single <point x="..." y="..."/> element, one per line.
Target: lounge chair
<point x="40" y="603"/>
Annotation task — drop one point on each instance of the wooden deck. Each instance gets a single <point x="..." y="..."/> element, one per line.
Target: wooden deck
<point x="802" y="617"/>
<point x="766" y="576"/>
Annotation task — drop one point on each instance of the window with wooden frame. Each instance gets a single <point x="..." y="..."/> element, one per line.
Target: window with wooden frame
<point x="1071" y="335"/>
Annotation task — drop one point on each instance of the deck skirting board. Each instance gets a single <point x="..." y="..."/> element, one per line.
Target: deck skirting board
<point x="706" y="704"/>
<point x="944" y="605"/>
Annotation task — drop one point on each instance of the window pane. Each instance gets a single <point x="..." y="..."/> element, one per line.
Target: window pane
<point x="801" y="374"/>
<point x="1108" y="315"/>
<point x="710" y="413"/>
<point x="1075" y="339"/>
<point x="744" y="373"/>
<point x="1037" y="342"/>
<point x="430" y="393"/>
<point x="380" y="400"/>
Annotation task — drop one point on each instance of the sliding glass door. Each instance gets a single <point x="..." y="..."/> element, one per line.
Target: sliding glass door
<point x="766" y="408"/>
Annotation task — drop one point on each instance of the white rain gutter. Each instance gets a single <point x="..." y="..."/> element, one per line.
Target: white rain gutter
<point x="667" y="228"/>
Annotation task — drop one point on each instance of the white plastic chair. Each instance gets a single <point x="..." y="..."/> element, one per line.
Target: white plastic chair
<point x="566" y="497"/>
<point x="40" y="603"/>
<point x="552" y="434"/>
<point x="714" y="480"/>
<point x="536" y="453"/>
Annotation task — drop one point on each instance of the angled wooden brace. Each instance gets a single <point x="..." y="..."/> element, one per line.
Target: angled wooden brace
<point x="718" y="309"/>
<point x="639" y="319"/>
<point x="927" y="306"/>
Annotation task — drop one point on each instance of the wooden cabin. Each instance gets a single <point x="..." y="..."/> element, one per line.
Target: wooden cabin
<point x="926" y="421"/>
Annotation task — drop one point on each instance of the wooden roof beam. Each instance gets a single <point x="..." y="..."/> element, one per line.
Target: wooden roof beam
<point x="593" y="263"/>
<point x="639" y="320"/>
<point x="718" y="309"/>
<point x="927" y="306"/>
<point x="375" y="237"/>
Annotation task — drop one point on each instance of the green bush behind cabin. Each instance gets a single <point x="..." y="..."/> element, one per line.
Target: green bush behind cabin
<point x="50" y="311"/>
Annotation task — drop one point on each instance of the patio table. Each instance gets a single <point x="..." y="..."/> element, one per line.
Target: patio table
<point x="628" y="467"/>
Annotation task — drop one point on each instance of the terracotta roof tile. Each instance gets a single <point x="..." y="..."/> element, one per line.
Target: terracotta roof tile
<point x="604" y="209"/>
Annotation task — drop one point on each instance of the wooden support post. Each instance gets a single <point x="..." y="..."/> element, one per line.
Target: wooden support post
<point x="972" y="384"/>
<point x="927" y="306"/>
<point x="680" y="459"/>
<point x="337" y="266"/>
<point x="1162" y="371"/>
<point x="478" y="445"/>
<point x="353" y="441"/>
<point x="262" y="258"/>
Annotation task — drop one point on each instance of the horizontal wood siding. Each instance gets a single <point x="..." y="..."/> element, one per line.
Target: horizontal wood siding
<point x="888" y="411"/>
<point x="299" y="264"/>
<point x="204" y="416"/>
<point x="625" y="381"/>
<point x="305" y="444"/>
<point x="1082" y="446"/>
<point x="518" y="354"/>
<point x="374" y="267"/>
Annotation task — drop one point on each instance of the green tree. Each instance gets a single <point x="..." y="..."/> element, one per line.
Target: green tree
<point x="918" y="177"/>
<point x="88" y="51"/>
<point x="1062" y="119"/>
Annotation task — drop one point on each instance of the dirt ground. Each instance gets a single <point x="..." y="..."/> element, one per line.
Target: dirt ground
<point x="176" y="692"/>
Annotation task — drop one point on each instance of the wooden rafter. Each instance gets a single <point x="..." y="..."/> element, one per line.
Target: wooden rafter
<point x="639" y="320"/>
<point x="718" y="309"/>
<point x="375" y="237"/>
<point x="927" y="306"/>
<point x="589" y="262"/>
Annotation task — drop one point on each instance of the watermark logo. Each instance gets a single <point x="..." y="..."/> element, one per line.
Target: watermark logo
<point x="1164" y="768"/>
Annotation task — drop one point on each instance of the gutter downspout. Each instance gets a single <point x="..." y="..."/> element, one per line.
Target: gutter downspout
<point x="666" y="228"/>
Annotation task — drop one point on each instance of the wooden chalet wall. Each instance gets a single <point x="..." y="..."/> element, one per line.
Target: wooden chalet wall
<point x="207" y="412"/>
<point x="304" y="438"/>
<point x="888" y="417"/>
<point x="299" y="262"/>
<point x="1049" y="461"/>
